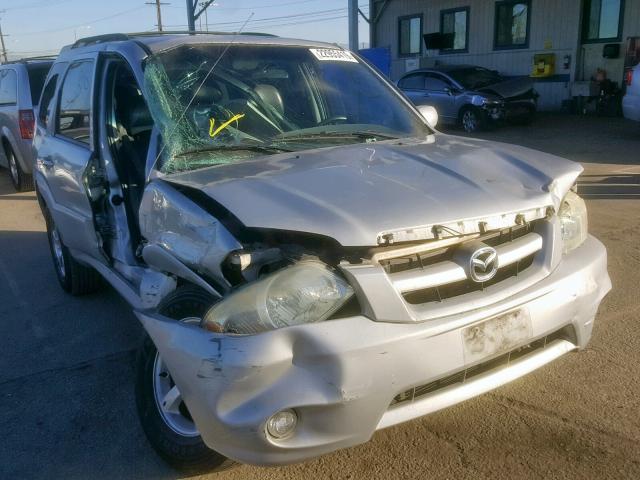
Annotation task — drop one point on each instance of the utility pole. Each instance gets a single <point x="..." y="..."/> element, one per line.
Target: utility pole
<point x="206" y="16"/>
<point x="193" y="15"/>
<point x="4" y="50"/>
<point x="353" y="25"/>
<point x="158" y="4"/>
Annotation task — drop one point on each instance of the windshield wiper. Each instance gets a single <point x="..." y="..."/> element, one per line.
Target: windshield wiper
<point x="234" y="148"/>
<point x="330" y="135"/>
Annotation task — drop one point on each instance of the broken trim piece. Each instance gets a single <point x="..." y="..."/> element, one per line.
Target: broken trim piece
<point x="161" y="259"/>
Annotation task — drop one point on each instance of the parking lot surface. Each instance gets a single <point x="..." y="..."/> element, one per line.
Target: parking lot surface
<point x="67" y="364"/>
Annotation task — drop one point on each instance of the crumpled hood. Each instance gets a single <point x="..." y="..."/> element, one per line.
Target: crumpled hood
<point x="510" y="88"/>
<point x="353" y="193"/>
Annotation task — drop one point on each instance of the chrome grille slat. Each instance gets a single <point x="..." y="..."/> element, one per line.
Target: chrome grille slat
<point x="447" y="272"/>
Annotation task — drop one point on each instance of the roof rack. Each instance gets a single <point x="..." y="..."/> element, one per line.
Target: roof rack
<point x="197" y="32"/>
<point x="109" y="37"/>
<point x="116" y="37"/>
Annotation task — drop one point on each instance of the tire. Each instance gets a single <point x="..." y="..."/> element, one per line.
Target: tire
<point x="173" y="435"/>
<point x="472" y="120"/>
<point x="22" y="181"/>
<point x="74" y="278"/>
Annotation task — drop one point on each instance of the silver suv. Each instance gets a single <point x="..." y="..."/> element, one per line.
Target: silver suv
<point x="20" y="87"/>
<point x="311" y="260"/>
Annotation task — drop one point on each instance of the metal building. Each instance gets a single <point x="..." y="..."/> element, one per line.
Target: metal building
<point x="560" y="43"/>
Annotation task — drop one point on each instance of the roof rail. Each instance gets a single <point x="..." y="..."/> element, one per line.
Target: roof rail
<point x="121" y="37"/>
<point x="197" y="32"/>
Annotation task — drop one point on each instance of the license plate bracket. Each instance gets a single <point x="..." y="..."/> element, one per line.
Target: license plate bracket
<point x="496" y="335"/>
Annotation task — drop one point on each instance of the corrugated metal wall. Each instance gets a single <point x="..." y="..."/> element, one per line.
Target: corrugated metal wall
<point x="554" y="23"/>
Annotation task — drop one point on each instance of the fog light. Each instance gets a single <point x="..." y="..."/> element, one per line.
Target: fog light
<point x="282" y="424"/>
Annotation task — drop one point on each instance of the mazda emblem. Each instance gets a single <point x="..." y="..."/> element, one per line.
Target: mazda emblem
<point x="483" y="264"/>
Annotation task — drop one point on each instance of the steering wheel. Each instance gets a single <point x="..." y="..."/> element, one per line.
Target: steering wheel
<point x="333" y="120"/>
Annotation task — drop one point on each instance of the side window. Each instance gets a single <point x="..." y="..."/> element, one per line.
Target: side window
<point x="47" y="101"/>
<point x="74" y="114"/>
<point x="8" y="87"/>
<point x="414" y="82"/>
<point x="436" y="84"/>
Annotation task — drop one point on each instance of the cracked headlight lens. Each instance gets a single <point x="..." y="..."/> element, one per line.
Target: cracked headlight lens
<point x="303" y="293"/>
<point x="573" y="221"/>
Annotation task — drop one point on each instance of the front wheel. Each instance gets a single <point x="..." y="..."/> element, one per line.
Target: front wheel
<point x="163" y="414"/>
<point x="471" y="120"/>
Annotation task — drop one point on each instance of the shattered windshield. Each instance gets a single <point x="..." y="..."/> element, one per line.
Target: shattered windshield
<point x="261" y="100"/>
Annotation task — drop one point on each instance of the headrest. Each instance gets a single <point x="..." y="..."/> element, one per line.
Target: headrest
<point x="270" y="95"/>
<point x="132" y="108"/>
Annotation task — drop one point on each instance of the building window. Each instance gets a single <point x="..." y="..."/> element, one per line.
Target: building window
<point x="512" y="24"/>
<point x="410" y="35"/>
<point x="455" y="23"/>
<point x="602" y="20"/>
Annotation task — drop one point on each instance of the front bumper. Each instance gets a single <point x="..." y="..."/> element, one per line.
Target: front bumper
<point x="341" y="376"/>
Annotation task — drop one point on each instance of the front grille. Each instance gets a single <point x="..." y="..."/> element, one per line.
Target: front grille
<point x="470" y="373"/>
<point x="452" y="290"/>
<point x="421" y="260"/>
<point x="423" y="278"/>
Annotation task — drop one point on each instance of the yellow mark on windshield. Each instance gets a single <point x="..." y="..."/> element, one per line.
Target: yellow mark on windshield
<point x="215" y="131"/>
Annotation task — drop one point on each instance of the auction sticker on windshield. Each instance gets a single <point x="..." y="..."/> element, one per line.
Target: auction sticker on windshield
<point x="332" y="55"/>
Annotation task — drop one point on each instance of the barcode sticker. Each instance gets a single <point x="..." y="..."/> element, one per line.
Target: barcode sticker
<point x="332" y="55"/>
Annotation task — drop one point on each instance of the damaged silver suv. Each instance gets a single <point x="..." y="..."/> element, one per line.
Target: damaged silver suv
<point x="311" y="260"/>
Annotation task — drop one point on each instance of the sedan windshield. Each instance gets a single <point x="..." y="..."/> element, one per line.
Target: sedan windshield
<point x="475" y="77"/>
<point x="217" y="104"/>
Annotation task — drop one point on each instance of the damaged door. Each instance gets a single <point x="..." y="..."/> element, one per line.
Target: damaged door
<point x="68" y="161"/>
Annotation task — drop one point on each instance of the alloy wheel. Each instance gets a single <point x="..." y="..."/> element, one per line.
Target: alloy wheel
<point x="58" y="253"/>
<point x="13" y="168"/>
<point x="171" y="406"/>
<point x="469" y="121"/>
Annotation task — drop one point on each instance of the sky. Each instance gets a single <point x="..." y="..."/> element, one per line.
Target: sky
<point x="42" y="27"/>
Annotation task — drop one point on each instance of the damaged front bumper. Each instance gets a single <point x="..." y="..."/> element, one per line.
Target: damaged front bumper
<point x="347" y="378"/>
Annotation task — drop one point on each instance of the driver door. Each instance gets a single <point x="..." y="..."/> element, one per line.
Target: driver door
<point x="66" y="152"/>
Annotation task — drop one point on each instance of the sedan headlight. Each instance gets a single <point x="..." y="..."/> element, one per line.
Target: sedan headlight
<point x="303" y="293"/>
<point x="573" y="221"/>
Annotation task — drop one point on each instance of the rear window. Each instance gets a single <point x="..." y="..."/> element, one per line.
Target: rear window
<point x="37" y="76"/>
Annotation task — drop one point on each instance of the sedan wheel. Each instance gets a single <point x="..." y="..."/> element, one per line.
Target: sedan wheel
<point x="470" y="121"/>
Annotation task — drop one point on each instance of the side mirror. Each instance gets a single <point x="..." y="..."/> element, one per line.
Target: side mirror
<point x="430" y="114"/>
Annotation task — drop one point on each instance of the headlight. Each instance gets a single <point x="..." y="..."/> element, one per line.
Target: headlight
<point x="573" y="221"/>
<point x="303" y="293"/>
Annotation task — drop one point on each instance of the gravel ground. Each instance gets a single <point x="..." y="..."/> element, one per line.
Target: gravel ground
<point x="66" y="364"/>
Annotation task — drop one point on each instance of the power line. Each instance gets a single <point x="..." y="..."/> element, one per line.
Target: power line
<point x="37" y="5"/>
<point x="52" y="30"/>
<point x="260" y="21"/>
<point x="257" y="7"/>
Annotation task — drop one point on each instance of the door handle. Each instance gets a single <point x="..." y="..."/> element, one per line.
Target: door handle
<point x="45" y="162"/>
